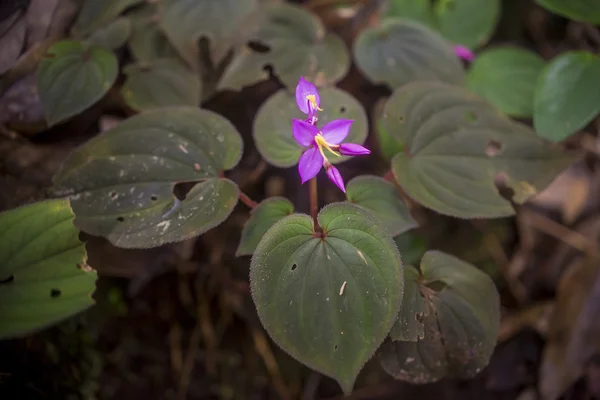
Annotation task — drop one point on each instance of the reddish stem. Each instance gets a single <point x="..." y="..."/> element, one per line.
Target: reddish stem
<point x="389" y="176"/>
<point x="314" y="202"/>
<point x="247" y="200"/>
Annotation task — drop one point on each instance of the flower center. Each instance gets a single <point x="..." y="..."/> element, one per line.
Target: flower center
<point x="313" y="102"/>
<point x="322" y="143"/>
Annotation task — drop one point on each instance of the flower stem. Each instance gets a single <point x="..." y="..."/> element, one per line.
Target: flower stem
<point x="314" y="202"/>
<point x="247" y="200"/>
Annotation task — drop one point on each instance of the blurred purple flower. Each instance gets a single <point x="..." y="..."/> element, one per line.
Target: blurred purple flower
<point x="308" y="100"/>
<point x="464" y="52"/>
<point x="318" y="142"/>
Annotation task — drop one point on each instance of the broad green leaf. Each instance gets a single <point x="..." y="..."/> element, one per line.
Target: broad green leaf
<point x="121" y="182"/>
<point x="293" y="43"/>
<point x="44" y="277"/>
<point x="186" y="21"/>
<point x="466" y="22"/>
<point x="112" y="36"/>
<point x="272" y="128"/>
<point x="96" y="14"/>
<point x="409" y="325"/>
<point x="457" y="312"/>
<point x="506" y="76"/>
<point x="148" y="42"/>
<point x="578" y="10"/>
<point x="457" y="146"/>
<point x="412" y="246"/>
<point x="381" y="199"/>
<point x="403" y="51"/>
<point x="328" y="301"/>
<point x="388" y="145"/>
<point x="160" y="83"/>
<point x="567" y="96"/>
<point x="262" y="218"/>
<point x="72" y="77"/>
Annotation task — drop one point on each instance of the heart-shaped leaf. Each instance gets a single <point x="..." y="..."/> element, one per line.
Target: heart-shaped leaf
<point x="578" y="10"/>
<point x="293" y="43"/>
<point x="44" y="277"/>
<point x="456" y="146"/>
<point x="567" y="96"/>
<point x="160" y="83"/>
<point x="506" y="76"/>
<point x="96" y="14"/>
<point x="328" y="301"/>
<point x="272" y="128"/>
<point x="112" y="36"/>
<point x="186" y="21"/>
<point x="72" y="77"/>
<point x="148" y="42"/>
<point x="467" y="22"/>
<point x="121" y="182"/>
<point x="381" y="199"/>
<point x="402" y="51"/>
<point x="262" y="218"/>
<point x="452" y="309"/>
<point x="389" y="146"/>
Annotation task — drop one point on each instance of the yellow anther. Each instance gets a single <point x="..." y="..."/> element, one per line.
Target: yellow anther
<point x="313" y="101"/>
<point x="322" y="143"/>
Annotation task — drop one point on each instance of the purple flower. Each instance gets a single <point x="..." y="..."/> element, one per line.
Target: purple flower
<point x="464" y="52"/>
<point x="322" y="143"/>
<point x="308" y="100"/>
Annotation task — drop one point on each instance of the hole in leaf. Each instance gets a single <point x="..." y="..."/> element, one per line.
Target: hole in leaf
<point x="268" y="68"/>
<point x="294" y="267"/>
<point x="438" y="286"/>
<point x="54" y="293"/>
<point x="182" y="189"/>
<point x="8" y="279"/>
<point x="113" y="195"/>
<point x="335" y="347"/>
<point x="470" y="116"/>
<point x="493" y="148"/>
<point x="120" y="219"/>
<point x="258" y="47"/>
<point x="342" y="109"/>
<point x="401" y="119"/>
<point x="154" y="197"/>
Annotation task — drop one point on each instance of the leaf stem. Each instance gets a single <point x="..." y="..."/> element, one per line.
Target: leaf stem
<point x="389" y="176"/>
<point x="247" y="200"/>
<point x="314" y="202"/>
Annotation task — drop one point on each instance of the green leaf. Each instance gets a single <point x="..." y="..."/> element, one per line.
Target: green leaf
<point x="459" y="308"/>
<point x="121" y="182"/>
<point x="112" y="36"/>
<point x="96" y="14"/>
<point x="72" y="77"/>
<point x="262" y="218"/>
<point x="457" y="146"/>
<point x="578" y="10"/>
<point x="44" y="277"/>
<point x="186" y="21"/>
<point x="402" y="51"/>
<point x="148" y="42"/>
<point x="412" y="246"/>
<point x="506" y="76"/>
<point x="467" y="22"/>
<point x="566" y="95"/>
<point x="388" y="145"/>
<point x="294" y="43"/>
<point x="160" y="83"/>
<point x="381" y="199"/>
<point x="409" y="325"/>
<point x="272" y="128"/>
<point x="329" y="302"/>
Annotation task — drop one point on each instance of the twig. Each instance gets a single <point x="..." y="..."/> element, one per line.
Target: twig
<point x="263" y="349"/>
<point x="561" y="232"/>
<point x="247" y="200"/>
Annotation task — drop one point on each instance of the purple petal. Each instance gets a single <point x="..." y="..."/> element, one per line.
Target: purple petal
<point x="336" y="131"/>
<point x="351" y="149"/>
<point x="303" y="132"/>
<point x="310" y="164"/>
<point x="335" y="177"/>
<point x="464" y="53"/>
<point x="303" y="90"/>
